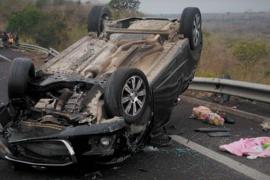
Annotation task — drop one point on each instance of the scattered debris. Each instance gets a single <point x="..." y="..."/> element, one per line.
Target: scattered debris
<point x="229" y="120"/>
<point x="250" y="147"/>
<point x="219" y="134"/>
<point x="150" y="149"/>
<point x="215" y="132"/>
<point x="142" y="170"/>
<point x="206" y="115"/>
<point x="171" y="127"/>
<point x="180" y="151"/>
<point x="115" y="168"/>
<point x="94" y="175"/>
<point x="161" y="140"/>
<point x="207" y="130"/>
<point x="265" y="126"/>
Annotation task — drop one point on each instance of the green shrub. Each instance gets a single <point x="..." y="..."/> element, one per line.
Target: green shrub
<point x="25" y="21"/>
<point x="51" y="32"/>
<point x="46" y="29"/>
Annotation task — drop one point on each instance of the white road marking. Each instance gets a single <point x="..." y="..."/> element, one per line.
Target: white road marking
<point x="235" y="165"/>
<point x="5" y="58"/>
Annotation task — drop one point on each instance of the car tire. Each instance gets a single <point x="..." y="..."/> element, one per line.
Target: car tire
<point x="21" y="72"/>
<point x="191" y="26"/>
<point x="96" y="18"/>
<point x="127" y="94"/>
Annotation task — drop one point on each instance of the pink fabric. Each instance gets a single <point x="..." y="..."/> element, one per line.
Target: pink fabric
<point x="253" y="147"/>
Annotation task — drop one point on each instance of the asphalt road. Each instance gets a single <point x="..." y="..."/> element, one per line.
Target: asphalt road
<point x="174" y="162"/>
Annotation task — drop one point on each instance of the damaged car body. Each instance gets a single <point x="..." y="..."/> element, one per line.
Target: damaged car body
<point x="103" y="96"/>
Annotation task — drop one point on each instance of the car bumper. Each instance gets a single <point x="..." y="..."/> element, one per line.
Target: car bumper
<point x="39" y="160"/>
<point x="62" y="149"/>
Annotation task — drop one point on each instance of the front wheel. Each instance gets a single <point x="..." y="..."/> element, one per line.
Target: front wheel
<point x="127" y="94"/>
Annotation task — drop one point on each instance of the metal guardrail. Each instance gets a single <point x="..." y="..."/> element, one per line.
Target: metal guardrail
<point x="253" y="91"/>
<point x="31" y="47"/>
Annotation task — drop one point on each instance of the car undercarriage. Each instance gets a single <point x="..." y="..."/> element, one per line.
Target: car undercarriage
<point x="102" y="96"/>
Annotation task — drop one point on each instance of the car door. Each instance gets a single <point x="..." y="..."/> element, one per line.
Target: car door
<point x="171" y="82"/>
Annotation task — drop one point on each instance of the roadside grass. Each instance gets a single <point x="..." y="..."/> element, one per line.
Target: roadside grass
<point x="218" y="59"/>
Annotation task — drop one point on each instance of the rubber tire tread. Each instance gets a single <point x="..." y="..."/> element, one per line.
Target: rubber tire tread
<point x="113" y="93"/>
<point x="21" y="71"/>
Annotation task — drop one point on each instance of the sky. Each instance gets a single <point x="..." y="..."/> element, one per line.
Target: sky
<point x="206" y="6"/>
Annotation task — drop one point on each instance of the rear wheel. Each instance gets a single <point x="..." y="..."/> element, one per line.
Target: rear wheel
<point x="97" y="17"/>
<point x="21" y="72"/>
<point x="191" y="26"/>
<point x="127" y="94"/>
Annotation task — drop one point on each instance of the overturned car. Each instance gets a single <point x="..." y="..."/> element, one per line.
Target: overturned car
<point x="103" y="96"/>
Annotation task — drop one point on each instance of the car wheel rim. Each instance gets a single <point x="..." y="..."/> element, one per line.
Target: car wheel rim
<point x="196" y="29"/>
<point x="133" y="96"/>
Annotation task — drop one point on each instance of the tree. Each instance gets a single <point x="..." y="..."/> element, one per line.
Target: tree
<point x="51" y="32"/>
<point x="25" y="21"/>
<point x="8" y="7"/>
<point x="125" y="4"/>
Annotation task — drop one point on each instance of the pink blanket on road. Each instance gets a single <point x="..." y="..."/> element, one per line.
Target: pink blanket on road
<point x="251" y="147"/>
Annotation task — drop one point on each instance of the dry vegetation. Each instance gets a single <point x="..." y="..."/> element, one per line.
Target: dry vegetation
<point x="224" y="51"/>
<point x="224" y="33"/>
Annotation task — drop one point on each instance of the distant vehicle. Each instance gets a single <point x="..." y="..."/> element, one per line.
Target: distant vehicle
<point x="101" y="97"/>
